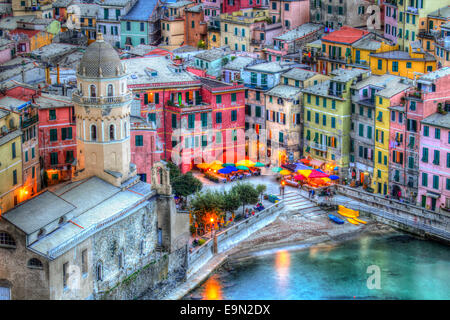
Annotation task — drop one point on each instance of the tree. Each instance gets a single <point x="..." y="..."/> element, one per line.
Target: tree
<point x="231" y="201"/>
<point x="246" y="193"/>
<point x="206" y="206"/>
<point x="186" y="184"/>
<point x="261" y="188"/>
<point x="174" y="171"/>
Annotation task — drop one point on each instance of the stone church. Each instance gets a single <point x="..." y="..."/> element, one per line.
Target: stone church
<point x="105" y="234"/>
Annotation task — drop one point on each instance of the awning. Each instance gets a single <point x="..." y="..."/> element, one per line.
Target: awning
<point x="433" y="195"/>
<point x="316" y="163"/>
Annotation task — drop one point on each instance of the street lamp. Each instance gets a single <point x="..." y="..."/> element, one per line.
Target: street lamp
<point x="212" y="221"/>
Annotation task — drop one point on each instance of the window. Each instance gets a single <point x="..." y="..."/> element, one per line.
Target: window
<point x="6" y="241"/>
<point x="54" y="158"/>
<point x="112" y="135"/>
<point x="258" y="111"/>
<point x="233" y="97"/>
<point x="93" y="91"/>
<point x="52" y="114"/>
<point x="139" y="141"/>
<point x="412" y="106"/>
<point x="34" y="263"/>
<point x="128" y="25"/>
<point x="435" y="182"/>
<point x="99" y="271"/>
<point x="333" y="122"/>
<point x="437" y="133"/>
<point x="191" y="121"/>
<point x="425" y="155"/>
<point x="120" y="260"/>
<point x="233" y="115"/>
<point x="218" y="99"/>
<point x="408" y="64"/>
<point x="93" y="132"/>
<point x="436" y="157"/>
<point x="380" y="64"/>
<point x="426" y="131"/>
<point x="84" y="261"/>
<point x="174" y="121"/>
<point x="204" y="119"/>
<point x="53" y="134"/>
<point x="65" y="274"/>
<point x="66" y="133"/>
<point x="219" y="117"/>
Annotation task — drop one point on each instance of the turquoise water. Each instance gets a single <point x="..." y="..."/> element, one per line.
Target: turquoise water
<point x="410" y="268"/>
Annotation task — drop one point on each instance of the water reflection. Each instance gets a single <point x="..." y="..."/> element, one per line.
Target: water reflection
<point x="282" y="264"/>
<point x="213" y="289"/>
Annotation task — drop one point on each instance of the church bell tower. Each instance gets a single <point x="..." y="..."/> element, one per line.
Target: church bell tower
<point x="102" y="107"/>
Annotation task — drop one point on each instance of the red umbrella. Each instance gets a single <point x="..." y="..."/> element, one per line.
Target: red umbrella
<point x="299" y="177"/>
<point x="317" y="174"/>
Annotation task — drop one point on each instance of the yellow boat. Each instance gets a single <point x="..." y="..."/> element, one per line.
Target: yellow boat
<point x="345" y="214"/>
<point x="352" y="221"/>
<point x="360" y="221"/>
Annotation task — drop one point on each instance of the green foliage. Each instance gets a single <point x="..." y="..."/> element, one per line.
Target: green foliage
<point x="231" y="201"/>
<point x="261" y="188"/>
<point x="247" y="194"/>
<point x="174" y="171"/>
<point x="201" y="242"/>
<point x="186" y="184"/>
<point x="224" y="61"/>
<point x="201" y="44"/>
<point x="233" y="57"/>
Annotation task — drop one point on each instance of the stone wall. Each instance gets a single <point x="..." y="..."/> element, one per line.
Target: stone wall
<point x="407" y="217"/>
<point x="227" y="239"/>
<point x="24" y="282"/>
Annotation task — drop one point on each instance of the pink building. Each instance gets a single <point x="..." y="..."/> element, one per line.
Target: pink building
<point x="291" y="13"/>
<point x="391" y="13"/>
<point x="146" y="149"/>
<point x="434" y="167"/>
<point x="7" y="50"/>
<point x="229" y="6"/>
<point x="430" y="95"/>
<point x="211" y="8"/>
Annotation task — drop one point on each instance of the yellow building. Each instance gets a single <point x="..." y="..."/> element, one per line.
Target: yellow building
<point x="236" y="28"/>
<point x="362" y="49"/>
<point x="412" y="17"/>
<point x="403" y="64"/>
<point x="84" y="19"/>
<point x="301" y="78"/>
<point x="213" y="37"/>
<point x="10" y="160"/>
<point x="42" y="9"/>
<point x="172" y="24"/>
<point x="384" y="99"/>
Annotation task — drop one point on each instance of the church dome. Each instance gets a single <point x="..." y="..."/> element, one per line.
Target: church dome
<point x="100" y="60"/>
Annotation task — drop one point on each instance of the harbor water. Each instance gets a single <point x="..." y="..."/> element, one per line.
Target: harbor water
<point x="395" y="266"/>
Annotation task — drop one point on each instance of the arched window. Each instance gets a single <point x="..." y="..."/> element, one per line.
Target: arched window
<point x="34" y="263"/>
<point x="110" y="90"/>
<point x="93" y="132"/>
<point x="93" y="91"/>
<point x="6" y="241"/>
<point x="99" y="271"/>
<point x="125" y="129"/>
<point x="112" y="135"/>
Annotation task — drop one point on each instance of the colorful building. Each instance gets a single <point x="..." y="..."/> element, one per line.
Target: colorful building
<point x="434" y="187"/>
<point x="211" y="61"/>
<point x="11" y="192"/>
<point x="173" y="23"/>
<point x="286" y="46"/>
<point x="29" y="40"/>
<point x="237" y="29"/>
<point x="404" y="64"/>
<point x="283" y="124"/>
<point x="385" y="99"/>
<point x="432" y="30"/>
<point x="230" y="6"/>
<point x="7" y="50"/>
<point x="291" y="13"/>
<point x="327" y="119"/>
<point x="141" y="25"/>
<point x="19" y="98"/>
<point x="362" y="49"/>
<point x="42" y="9"/>
<point x="195" y="29"/>
<point x="259" y="77"/>
<point x="108" y="19"/>
<point x="57" y="134"/>
<point x="232" y="71"/>
<point x="337" y="48"/>
<point x="213" y="34"/>
<point x="84" y="19"/>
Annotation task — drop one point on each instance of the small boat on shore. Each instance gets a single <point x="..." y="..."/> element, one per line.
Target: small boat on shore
<point x="352" y="221"/>
<point x="359" y="220"/>
<point x="335" y="219"/>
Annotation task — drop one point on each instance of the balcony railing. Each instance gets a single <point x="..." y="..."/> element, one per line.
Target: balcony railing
<point x="101" y="100"/>
<point x="317" y="146"/>
<point x="29" y="121"/>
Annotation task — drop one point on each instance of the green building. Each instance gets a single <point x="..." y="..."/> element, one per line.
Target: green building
<point x="327" y="119"/>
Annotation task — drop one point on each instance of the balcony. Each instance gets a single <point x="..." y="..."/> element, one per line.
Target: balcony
<point x="101" y="100"/>
<point x="333" y="58"/>
<point x="415" y="95"/>
<point x="317" y="146"/>
<point x="28" y="121"/>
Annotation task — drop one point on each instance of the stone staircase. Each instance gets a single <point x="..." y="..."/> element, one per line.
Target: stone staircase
<point x="298" y="204"/>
